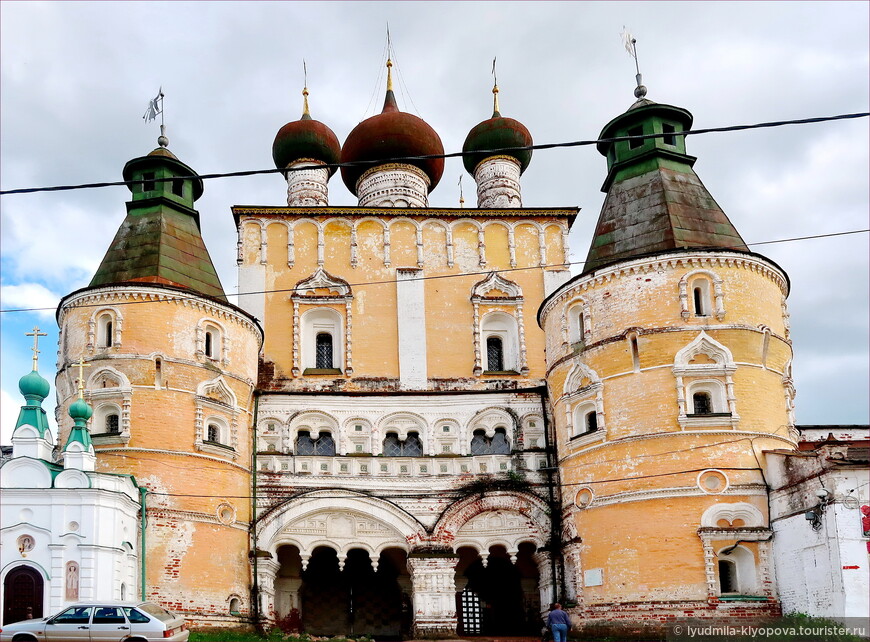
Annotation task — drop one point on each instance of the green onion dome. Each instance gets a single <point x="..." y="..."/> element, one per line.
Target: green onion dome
<point x="33" y="385"/>
<point x="306" y="138"/>
<point x="79" y="409"/>
<point x="391" y="136"/>
<point x="497" y="133"/>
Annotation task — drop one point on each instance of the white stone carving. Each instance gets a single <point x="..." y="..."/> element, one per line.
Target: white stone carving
<point x="498" y="182"/>
<point x="393" y="185"/>
<point x="307" y="184"/>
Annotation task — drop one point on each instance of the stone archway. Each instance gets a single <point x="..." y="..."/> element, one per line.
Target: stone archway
<point x="23" y="591"/>
<point x="339" y="564"/>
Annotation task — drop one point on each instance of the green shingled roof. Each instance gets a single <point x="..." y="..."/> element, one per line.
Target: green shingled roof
<point x="159" y="240"/>
<point x="655" y="202"/>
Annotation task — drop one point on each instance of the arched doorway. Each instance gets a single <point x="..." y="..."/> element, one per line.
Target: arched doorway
<point x="352" y="598"/>
<point x="498" y="596"/>
<point x="23" y="591"/>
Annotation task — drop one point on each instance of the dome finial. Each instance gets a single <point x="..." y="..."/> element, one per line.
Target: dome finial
<point x="163" y="139"/>
<point x="461" y="198"/>
<point x="35" y="334"/>
<point x="389" y="74"/>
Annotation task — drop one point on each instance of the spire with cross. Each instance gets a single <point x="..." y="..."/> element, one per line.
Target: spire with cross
<point x="35" y="334"/>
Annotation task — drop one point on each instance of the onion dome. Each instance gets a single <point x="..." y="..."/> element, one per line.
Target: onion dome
<point x="389" y="136"/>
<point x="79" y="409"/>
<point x="33" y="386"/>
<point x="306" y="138"/>
<point x="497" y="133"/>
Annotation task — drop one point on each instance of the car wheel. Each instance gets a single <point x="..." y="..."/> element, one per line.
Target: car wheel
<point x="24" y="638"/>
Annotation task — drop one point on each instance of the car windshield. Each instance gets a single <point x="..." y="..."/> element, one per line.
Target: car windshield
<point x="74" y="615"/>
<point x="157" y="611"/>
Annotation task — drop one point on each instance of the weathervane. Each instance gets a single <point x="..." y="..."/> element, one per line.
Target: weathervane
<point x="630" y="43"/>
<point x="35" y="334"/>
<point x="305" y="111"/>
<point x="495" y="111"/>
<point x="155" y="107"/>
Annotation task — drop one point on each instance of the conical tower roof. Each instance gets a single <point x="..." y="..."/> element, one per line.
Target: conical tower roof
<point x="655" y="202"/>
<point x="160" y="240"/>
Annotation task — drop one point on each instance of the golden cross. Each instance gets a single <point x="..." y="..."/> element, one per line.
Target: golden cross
<point x="35" y="334"/>
<point x="81" y="365"/>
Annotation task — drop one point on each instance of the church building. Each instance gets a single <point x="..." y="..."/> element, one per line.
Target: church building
<point x="416" y="421"/>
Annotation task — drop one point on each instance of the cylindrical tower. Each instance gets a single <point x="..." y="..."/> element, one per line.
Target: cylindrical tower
<point x="669" y="371"/>
<point x="170" y="376"/>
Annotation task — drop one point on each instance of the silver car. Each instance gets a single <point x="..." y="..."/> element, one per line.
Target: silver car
<point x="91" y="621"/>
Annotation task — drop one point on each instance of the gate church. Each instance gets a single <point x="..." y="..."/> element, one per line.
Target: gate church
<point x="442" y="429"/>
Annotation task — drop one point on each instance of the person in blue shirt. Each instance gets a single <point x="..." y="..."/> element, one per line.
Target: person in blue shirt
<point x="558" y="621"/>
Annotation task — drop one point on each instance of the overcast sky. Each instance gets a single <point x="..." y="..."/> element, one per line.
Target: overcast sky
<point x="77" y="76"/>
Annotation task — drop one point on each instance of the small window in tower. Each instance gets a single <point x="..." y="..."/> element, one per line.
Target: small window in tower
<point x="178" y="187"/>
<point x="106" y="331"/>
<point x="148" y="184"/>
<point x="591" y="421"/>
<point x="727" y="576"/>
<point x="702" y="404"/>
<point x="669" y="129"/>
<point x="358" y="428"/>
<point x="637" y="142"/>
<point x="214" y="434"/>
<point x="494" y="354"/>
<point x="324" y="351"/>
<point x="158" y="373"/>
<point x="698" y="299"/>
<point x="445" y="428"/>
<point x="209" y="344"/>
<point x="112" y="423"/>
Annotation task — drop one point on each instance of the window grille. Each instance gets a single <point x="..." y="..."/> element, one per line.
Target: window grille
<point x="494" y="354"/>
<point x="324" y="351"/>
<point x="411" y="447"/>
<point x="701" y="403"/>
<point x="112" y="423"/>
<point x="214" y="434"/>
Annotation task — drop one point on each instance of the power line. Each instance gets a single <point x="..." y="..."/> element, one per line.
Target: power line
<point x="577" y="143"/>
<point x="184" y="297"/>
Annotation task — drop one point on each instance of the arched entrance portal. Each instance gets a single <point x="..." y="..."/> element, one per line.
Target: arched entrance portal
<point x="498" y="596"/>
<point x="23" y="591"/>
<point x="345" y="597"/>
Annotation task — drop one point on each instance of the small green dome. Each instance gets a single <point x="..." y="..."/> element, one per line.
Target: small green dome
<point x="497" y="133"/>
<point x="80" y="410"/>
<point x="33" y="385"/>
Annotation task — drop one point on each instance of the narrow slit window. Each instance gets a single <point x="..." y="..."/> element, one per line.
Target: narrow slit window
<point x="324" y="351"/>
<point x="727" y="577"/>
<point x="698" y="297"/>
<point x="209" y="344"/>
<point x="494" y="354"/>
<point x="158" y="373"/>
<point x="638" y="142"/>
<point x="635" y="354"/>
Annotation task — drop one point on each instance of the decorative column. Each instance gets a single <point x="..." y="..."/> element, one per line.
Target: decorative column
<point x="434" y="594"/>
<point x="545" y="578"/>
<point x="267" y="571"/>
<point x="573" y="572"/>
<point x="498" y="183"/>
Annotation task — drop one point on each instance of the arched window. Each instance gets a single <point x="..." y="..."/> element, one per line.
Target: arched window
<point x="411" y="447"/>
<point x="501" y="340"/>
<point x="214" y="434"/>
<point x="209" y="344"/>
<point x="324" y="351"/>
<point x="497" y="445"/>
<point x="701" y="297"/>
<point x="235" y="606"/>
<point x="211" y="341"/>
<point x="702" y="404"/>
<point x="494" y="354"/>
<point x="113" y="423"/>
<point x="585" y="419"/>
<point x="324" y="445"/>
<point x="106" y="331"/>
<point x="576" y="326"/>
<point x="321" y="339"/>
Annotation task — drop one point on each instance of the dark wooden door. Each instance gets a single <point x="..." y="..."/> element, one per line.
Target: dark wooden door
<point x="22" y="591"/>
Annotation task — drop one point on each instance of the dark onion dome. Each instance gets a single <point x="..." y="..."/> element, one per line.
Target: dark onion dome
<point x="388" y="137"/>
<point x="306" y="138"/>
<point x="497" y="133"/>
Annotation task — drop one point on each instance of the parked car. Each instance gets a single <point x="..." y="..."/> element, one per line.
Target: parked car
<point x="92" y="621"/>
